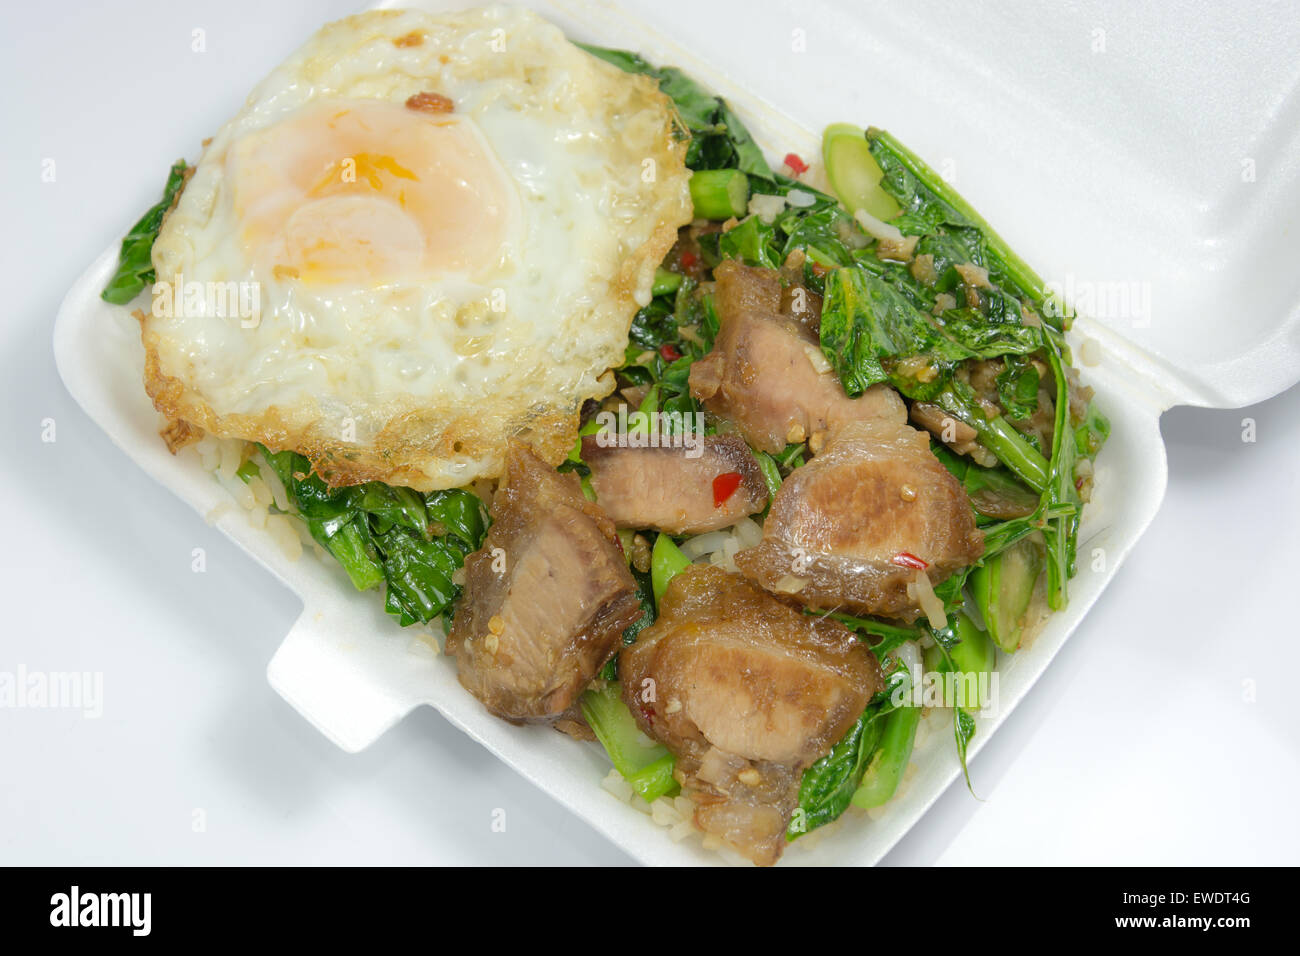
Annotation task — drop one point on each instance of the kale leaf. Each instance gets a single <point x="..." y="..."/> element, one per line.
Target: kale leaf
<point x="135" y="269"/>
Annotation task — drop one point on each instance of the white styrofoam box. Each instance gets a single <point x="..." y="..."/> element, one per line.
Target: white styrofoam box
<point x="1104" y="168"/>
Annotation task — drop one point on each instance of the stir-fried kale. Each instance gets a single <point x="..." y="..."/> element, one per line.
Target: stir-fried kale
<point x="955" y="651"/>
<point x="135" y="270"/>
<point x="666" y="338"/>
<point x="831" y="783"/>
<point x="718" y="140"/>
<point x="410" y="542"/>
<point x="1018" y="386"/>
<point x="872" y="333"/>
<point x="648" y="769"/>
<point x="1061" y="494"/>
<point x="827" y="787"/>
<point x="931" y="207"/>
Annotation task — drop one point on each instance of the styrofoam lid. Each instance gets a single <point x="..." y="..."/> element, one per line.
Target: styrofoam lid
<point x="1144" y="161"/>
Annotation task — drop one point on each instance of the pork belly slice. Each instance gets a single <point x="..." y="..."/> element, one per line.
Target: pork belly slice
<point x="547" y="597"/>
<point x="741" y="288"/>
<point x="747" y="692"/>
<point x="672" y="489"/>
<point x="851" y="529"/>
<point x="767" y="374"/>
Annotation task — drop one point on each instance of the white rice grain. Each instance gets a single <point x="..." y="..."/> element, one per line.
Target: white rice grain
<point x="257" y="518"/>
<point x="278" y="493"/>
<point x="232" y="456"/>
<point x="664" y="813"/>
<point x="261" y="491"/>
<point x="285" y="535"/>
<point x="681" y="831"/>
<point x="620" y="788"/>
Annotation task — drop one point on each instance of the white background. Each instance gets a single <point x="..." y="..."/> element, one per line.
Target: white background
<point x="1165" y="732"/>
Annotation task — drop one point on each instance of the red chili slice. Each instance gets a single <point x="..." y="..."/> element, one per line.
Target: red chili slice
<point x="906" y="559"/>
<point x="724" y="486"/>
<point x="669" y="352"/>
<point x="688" y="259"/>
<point x="797" y="165"/>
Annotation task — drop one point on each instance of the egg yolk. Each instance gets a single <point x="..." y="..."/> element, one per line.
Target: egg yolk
<point x="369" y="193"/>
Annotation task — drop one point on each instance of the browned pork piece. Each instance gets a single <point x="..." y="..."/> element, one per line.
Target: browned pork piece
<point x="547" y="597"/>
<point x="767" y="373"/>
<point x="855" y="527"/>
<point x="747" y="692"/>
<point x="741" y="288"/>
<point x="673" y="488"/>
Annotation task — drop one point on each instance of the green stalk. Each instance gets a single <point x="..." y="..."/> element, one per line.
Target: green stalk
<point x="974" y="654"/>
<point x="666" y="562"/>
<point x="719" y="193"/>
<point x="646" y="765"/>
<point x="853" y="172"/>
<point x="1002" y="588"/>
<point x="640" y="419"/>
<point x="891" y="635"/>
<point x="665" y="282"/>
<point x="656" y="779"/>
<point x="1010" y="447"/>
<point x="885" y="771"/>
<point x="1060" y="533"/>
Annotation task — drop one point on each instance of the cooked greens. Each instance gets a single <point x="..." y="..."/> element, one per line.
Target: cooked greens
<point x="878" y="330"/>
<point x="828" y="786"/>
<point x="853" y="172"/>
<point x="931" y="207"/>
<point x="666" y="562"/>
<point x="135" y="266"/>
<point x="410" y="542"/>
<point x="872" y="332"/>
<point x="647" y="766"/>
<point x="1003" y="587"/>
<point x="879" y="781"/>
<point x="719" y="193"/>
<point x="718" y="140"/>
<point x="833" y="782"/>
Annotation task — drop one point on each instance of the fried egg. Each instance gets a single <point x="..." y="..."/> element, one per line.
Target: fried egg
<point x="436" y="230"/>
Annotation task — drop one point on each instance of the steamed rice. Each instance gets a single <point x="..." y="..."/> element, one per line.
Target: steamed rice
<point x="261" y="497"/>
